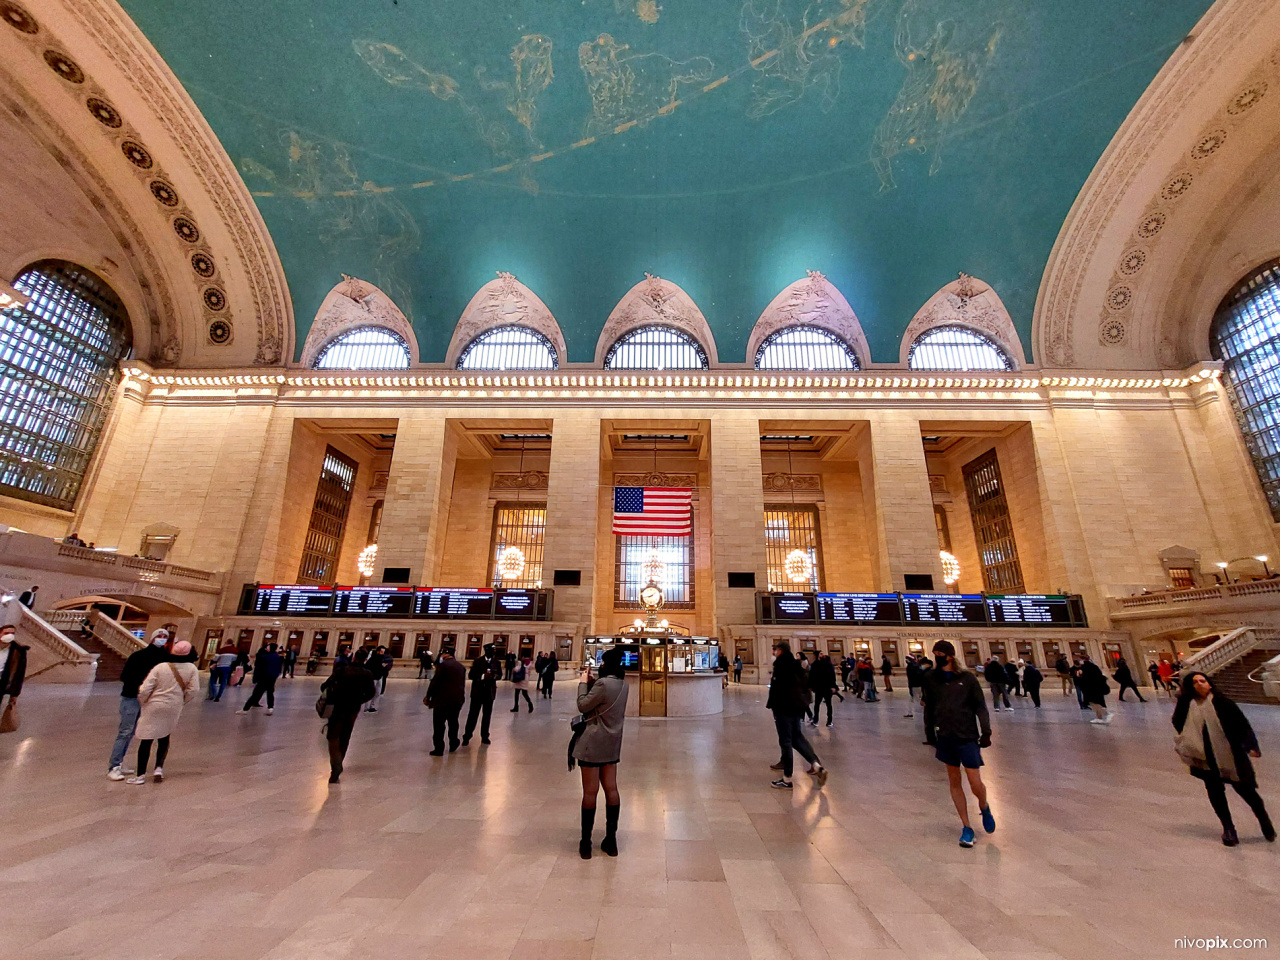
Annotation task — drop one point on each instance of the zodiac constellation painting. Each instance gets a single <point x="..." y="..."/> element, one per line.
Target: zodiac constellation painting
<point x="628" y="87"/>
<point x="943" y="74"/>
<point x="646" y="10"/>
<point x="792" y="59"/>
<point x="325" y="176"/>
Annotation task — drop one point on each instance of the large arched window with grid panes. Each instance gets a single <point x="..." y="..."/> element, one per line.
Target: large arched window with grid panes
<point x="509" y="348"/>
<point x="656" y="347"/>
<point x="59" y="364"/>
<point x="1246" y="337"/>
<point x="954" y="347"/>
<point x="364" y="348"/>
<point x="805" y="348"/>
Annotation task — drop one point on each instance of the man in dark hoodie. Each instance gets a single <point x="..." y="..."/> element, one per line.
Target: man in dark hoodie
<point x="348" y="689"/>
<point x="789" y="701"/>
<point x="266" y="670"/>
<point x="956" y="712"/>
<point x="135" y="671"/>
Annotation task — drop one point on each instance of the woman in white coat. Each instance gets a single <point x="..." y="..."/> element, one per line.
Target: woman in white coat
<point x="168" y="686"/>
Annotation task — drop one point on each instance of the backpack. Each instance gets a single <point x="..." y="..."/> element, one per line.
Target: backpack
<point x="519" y="673"/>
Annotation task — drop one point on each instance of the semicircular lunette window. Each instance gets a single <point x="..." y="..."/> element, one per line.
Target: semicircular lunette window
<point x="656" y="348"/>
<point x="509" y="348"/>
<point x="805" y="348"/>
<point x="364" y="348"/>
<point x="59" y="365"/>
<point x="956" y="348"/>
<point x="1245" y="336"/>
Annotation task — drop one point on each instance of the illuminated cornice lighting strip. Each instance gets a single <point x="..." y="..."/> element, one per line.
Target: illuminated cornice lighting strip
<point x="451" y="380"/>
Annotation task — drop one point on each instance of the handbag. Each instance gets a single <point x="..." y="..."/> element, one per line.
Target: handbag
<point x="324" y="706"/>
<point x="579" y="723"/>
<point x="1185" y="746"/>
<point x="9" y="719"/>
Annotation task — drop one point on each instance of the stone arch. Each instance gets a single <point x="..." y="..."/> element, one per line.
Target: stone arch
<point x="504" y="301"/>
<point x="656" y="302"/>
<point x="966" y="302"/>
<point x="351" y="304"/>
<point x="814" y="302"/>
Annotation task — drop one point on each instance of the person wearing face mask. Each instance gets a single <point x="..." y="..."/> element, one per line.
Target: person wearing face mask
<point x="956" y="711"/>
<point x="168" y="686"/>
<point x="13" y="670"/>
<point x="136" y="668"/>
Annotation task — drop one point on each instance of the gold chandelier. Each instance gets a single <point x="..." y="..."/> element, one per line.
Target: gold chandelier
<point x="511" y="563"/>
<point x="368" y="557"/>
<point x="654" y="568"/>
<point x="950" y="567"/>
<point x="798" y="566"/>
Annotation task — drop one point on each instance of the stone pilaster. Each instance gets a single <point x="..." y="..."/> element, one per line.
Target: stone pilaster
<point x="906" y="533"/>
<point x="573" y="509"/>
<point x="415" y="513"/>
<point x="737" y="514"/>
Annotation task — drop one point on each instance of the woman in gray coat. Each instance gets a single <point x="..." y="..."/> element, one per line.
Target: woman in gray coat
<point x="603" y="701"/>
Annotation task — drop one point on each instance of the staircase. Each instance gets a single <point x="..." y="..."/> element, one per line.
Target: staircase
<point x="1233" y="680"/>
<point x="110" y="663"/>
<point x="104" y="637"/>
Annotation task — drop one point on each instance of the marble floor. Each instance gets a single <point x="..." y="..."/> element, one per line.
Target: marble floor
<point x="1106" y="849"/>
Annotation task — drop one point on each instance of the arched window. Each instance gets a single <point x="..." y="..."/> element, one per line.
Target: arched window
<point x="1246" y="337"/>
<point x="805" y="348"/>
<point x="956" y="348"/>
<point x="509" y="348"/>
<point x="59" y="365"/>
<point x="656" y="348"/>
<point x="364" y="348"/>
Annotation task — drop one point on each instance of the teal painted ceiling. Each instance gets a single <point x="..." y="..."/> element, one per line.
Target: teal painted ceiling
<point x="725" y="145"/>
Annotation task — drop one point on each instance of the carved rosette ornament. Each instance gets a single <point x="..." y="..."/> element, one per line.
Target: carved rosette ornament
<point x="529" y="480"/>
<point x="781" y="482"/>
<point x="657" y="480"/>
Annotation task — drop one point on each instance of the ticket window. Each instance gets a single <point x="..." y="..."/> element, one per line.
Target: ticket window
<point x="372" y="638"/>
<point x="475" y="644"/>
<point x="1050" y="651"/>
<point x="1079" y="649"/>
<point x="972" y="655"/>
<point x="421" y="645"/>
<point x="500" y="641"/>
<point x="1025" y="651"/>
<point x="836" y="649"/>
<point x="809" y="650"/>
<point x="998" y="649"/>
<point x="395" y="645"/>
<point x="653" y="659"/>
<point x="449" y="643"/>
<point x="320" y="643"/>
<point x="890" y="649"/>
<point x="244" y="642"/>
<point x="564" y="649"/>
<point x="270" y="636"/>
<point x="746" y="649"/>
<point x="212" y="640"/>
<point x="1111" y="653"/>
<point x="296" y="639"/>
<point x="862" y="648"/>
<point x="915" y="648"/>
<point x="526" y="646"/>
<point x="346" y="641"/>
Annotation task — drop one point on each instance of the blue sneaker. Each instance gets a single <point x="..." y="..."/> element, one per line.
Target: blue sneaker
<point x="966" y="837"/>
<point x="988" y="821"/>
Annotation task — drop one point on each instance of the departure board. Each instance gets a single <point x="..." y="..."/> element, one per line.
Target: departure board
<point x="949" y="608"/>
<point x="373" y="602"/>
<point x="518" y="604"/>
<point x="868" y="609"/>
<point x="296" y="601"/>
<point x="442" y="602"/>
<point x="793" y="608"/>
<point x="1030" y="610"/>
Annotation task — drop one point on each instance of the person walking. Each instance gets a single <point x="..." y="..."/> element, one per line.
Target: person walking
<point x="846" y="669"/>
<point x="1031" y="680"/>
<point x="28" y="598"/>
<point x="1063" y="669"/>
<point x="509" y="663"/>
<point x="996" y="679"/>
<point x="597" y="748"/>
<point x="886" y="672"/>
<point x="220" y="672"/>
<point x="485" y="673"/>
<point x="290" y="666"/>
<point x="520" y="678"/>
<point x="1154" y="672"/>
<point x="1011" y="684"/>
<point x="867" y="678"/>
<point x="549" y="674"/>
<point x="957" y="712"/>
<point x="539" y="665"/>
<point x="1094" y="688"/>
<point x="737" y="669"/>
<point x="822" y="681"/>
<point x="1123" y="676"/>
<point x="266" y="670"/>
<point x="167" y="688"/>
<point x="446" y="694"/>
<point x="348" y="688"/>
<point x="424" y="664"/>
<point x="135" y="671"/>
<point x="1164" y="670"/>
<point x="242" y="662"/>
<point x="789" y="701"/>
<point x="915" y="675"/>
<point x="1215" y="740"/>
<point x="13" y="671"/>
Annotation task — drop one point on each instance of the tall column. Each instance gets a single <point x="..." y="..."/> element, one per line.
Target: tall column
<point x="737" y="514"/>
<point x="573" y="508"/>
<point x="1066" y="550"/>
<point x="902" y="504"/>
<point x="415" y="513"/>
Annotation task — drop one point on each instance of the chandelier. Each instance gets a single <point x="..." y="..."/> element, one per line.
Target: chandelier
<point x="654" y="568"/>
<point x="950" y="567"/>
<point x="364" y="562"/>
<point x="511" y="563"/>
<point x="798" y="566"/>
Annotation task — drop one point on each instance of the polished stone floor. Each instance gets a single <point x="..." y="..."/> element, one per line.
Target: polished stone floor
<point x="1106" y="849"/>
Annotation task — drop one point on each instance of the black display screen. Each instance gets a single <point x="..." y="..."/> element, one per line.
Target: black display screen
<point x="373" y="602"/>
<point x="912" y="609"/>
<point x="296" y="601"/>
<point x="793" y="608"/>
<point x="516" y="604"/>
<point x="963" y="609"/>
<point x="1030" y="610"/>
<point x="462" y="603"/>
<point x="869" y="609"/>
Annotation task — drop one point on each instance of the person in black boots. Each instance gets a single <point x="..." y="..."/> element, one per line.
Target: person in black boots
<point x="789" y="701"/>
<point x="520" y="680"/>
<point x="266" y="670"/>
<point x="549" y="674"/>
<point x="1124" y="677"/>
<point x="1031" y="680"/>
<point x="822" y="680"/>
<point x="348" y="689"/>
<point x="446" y="693"/>
<point x="539" y="664"/>
<point x="509" y="662"/>
<point x="1215" y="740"/>
<point x="597" y="747"/>
<point x="486" y="671"/>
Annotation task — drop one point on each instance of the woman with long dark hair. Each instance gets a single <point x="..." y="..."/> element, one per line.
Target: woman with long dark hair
<point x="1215" y="740"/>
<point x="602" y="701"/>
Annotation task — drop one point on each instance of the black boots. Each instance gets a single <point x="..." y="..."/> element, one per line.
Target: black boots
<point x="588" y="821"/>
<point x="1229" y="838"/>
<point x="609" y="844"/>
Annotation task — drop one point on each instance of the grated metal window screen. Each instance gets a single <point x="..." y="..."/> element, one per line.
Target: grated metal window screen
<point x="509" y="348"/>
<point x="992" y="526"/>
<point x="676" y="581"/>
<point x="956" y="348"/>
<point x="656" y="348"/>
<point x="365" y="348"/>
<point x="59" y="366"/>
<point x="523" y="526"/>
<point x="805" y="348"/>
<point x="788" y="528"/>
<point x="1246" y="338"/>
<point x="323" y="546"/>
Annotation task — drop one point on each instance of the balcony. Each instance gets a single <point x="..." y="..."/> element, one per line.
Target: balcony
<point x="1258" y="601"/>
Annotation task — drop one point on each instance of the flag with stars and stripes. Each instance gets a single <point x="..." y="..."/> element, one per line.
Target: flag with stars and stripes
<point x="653" y="511"/>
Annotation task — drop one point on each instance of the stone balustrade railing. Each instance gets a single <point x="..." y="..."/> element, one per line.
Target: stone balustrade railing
<point x="135" y="563"/>
<point x="1219" y="592"/>
<point x="1222" y="652"/>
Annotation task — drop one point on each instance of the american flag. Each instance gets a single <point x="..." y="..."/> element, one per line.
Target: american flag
<point x="653" y="511"/>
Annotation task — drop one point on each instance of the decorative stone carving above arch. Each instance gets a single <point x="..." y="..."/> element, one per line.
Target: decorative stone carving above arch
<point x="503" y="302"/>
<point x="966" y="302"/>
<point x="654" y="301"/>
<point x="352" y="304"/>
<point x="814" y="302"/>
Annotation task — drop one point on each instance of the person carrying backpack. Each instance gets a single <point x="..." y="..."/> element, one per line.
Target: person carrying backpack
<point x="520" y="677"/>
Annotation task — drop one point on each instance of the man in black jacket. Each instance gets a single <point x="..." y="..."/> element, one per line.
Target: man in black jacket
<point x="349" y="688"/>
<point x="446" y="693"/>
<point x="14" y="668"/>
<point x="997" y="678"/>
<point x="954" y="709"/>
<point x="1124" y="677"/>
<point x="266" y="670"/>
<point x="822" y="678"/>
<point x="135" y="671"/>
<point x="789" y="701"/>
<point x="486" y="671"/>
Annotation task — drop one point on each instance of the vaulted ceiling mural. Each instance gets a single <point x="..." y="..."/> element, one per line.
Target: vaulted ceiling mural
<point x="725" y="145"/>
